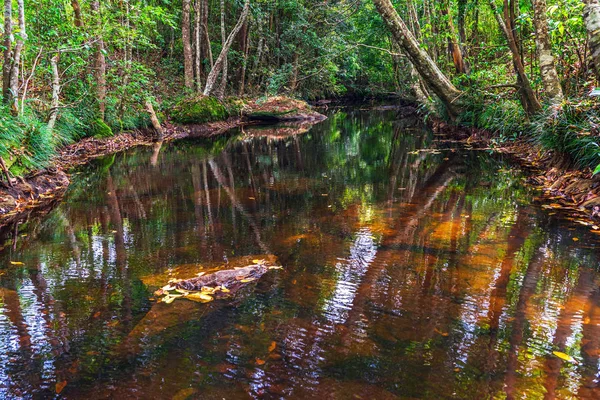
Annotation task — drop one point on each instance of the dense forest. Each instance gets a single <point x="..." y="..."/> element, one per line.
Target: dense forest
<point x="73" y="69"/>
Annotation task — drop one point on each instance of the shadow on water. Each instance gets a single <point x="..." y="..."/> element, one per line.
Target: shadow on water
<point x="411" y="270"/>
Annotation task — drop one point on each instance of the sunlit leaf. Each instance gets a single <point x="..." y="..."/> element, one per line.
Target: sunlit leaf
<point x="200" y="297"/>
<point x="168" y="299"/>
<point x="168" y="288"/>
<point x="248" y="280"/>
<point x="260" y="362"/>
<point x="272" y="347"/>
<point x="16" y="263"/>
<point x="564" y="356"/>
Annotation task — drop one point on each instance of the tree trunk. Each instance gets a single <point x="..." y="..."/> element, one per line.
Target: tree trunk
<point x="214" y="72"/>
<point x="100" y="62"/>
<point x="55" y="91"/>
<point x="455" y="47"/>
<point x="188" y="69"/>
<point x="206" y="35"/>
<point x="78" y="21"/>
<point x="16" y="59"/>
<point x="429" y="71"/>
<point x="154" y="119"/>
<point x="222" y="87"/>
<point x="7" y="51"/>
<point x="544" y="53"/>
<point x="528" y="97"/>
<point x="245" y="49"/>
<point x="591" y="18"/>
<point x="198" y="8"/>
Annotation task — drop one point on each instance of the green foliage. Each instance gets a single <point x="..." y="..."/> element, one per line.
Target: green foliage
<point x="572" y="131"/>
<point x="100" y="129"/>
<point x="198" y="110"/>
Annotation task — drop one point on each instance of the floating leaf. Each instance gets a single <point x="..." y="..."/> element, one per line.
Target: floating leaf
<point x="260" y="362"/>
<point x="168" y="299"/>
<point x="258" y="261"/>
<point x="16" y="263"/>
<point x="564" y="356"/>
<point x="200" y="274"/>
<point x="168" y="288"/>
<point x="200" y="297"/>
<point x="60" y="386"/>
<point x="272" y="347"/>
<point x="441" y="333"/>
<point x="248" y="280"/>
<point x="575" y="239"/>
<point x="224" y="289"/>
<point x="276" y="267"/>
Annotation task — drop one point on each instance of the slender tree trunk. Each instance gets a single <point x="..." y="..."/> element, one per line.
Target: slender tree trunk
<point x="6" y="66"/>
<point x="100" y="62"/>
<point x="188" y="71"/>
<point x="198" y="8"/>
<point x="55" y="92"/>
<point x="591" y="18"/>
<point x="528" y="97"/>
<point x="12" y="94"/>
<point x="544" y="52"/>
<point x="429" y="71"/>
<point x="78" y="21"/>
<point x="214" y="72"/>
<point x="206" y="35"/>
<point x="455" y="47"/>
<point x="245" y="48"/>
<point x="223" y="86"/>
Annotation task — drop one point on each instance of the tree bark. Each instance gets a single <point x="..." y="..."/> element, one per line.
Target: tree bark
<point x="100" y="62"/>
<point x="216" y="69"/>
<point x="154" y="119"/>
<point x="428" y="70"/>
<point x="591" y="18"/>
<point x="55" y="92"/>
<point x="198" y="8"/>
<point x="222" y="87"/>
<point x="78" y="21"/>
<point x="11" y="95"/>
<point x="188" y="70"/>
<point x="456" y="50"/>
<point x="544" y="53"/>
<point x="528" y="97"/>
<point x="7" y="51"/>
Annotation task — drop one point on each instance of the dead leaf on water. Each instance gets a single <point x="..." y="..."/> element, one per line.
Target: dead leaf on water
<point x="260" y="362"/>
<point x="199" y="297"/>
<point x="248" y="280"/>
<point x="16" y="263"/>
<point x="272" y="347"/>
<point x="440" y="332"/>
<point x="60" y="386"/>
<point x="575" y="239"/>
<point x="168" y="299"/>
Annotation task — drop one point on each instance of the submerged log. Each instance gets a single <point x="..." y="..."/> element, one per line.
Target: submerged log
<point x="227" y="278"/>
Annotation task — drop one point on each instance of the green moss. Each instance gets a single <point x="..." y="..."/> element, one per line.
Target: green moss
<point x="100" y="129"/>
<point x="199" y="110"/>
<point x="234" y="105"/>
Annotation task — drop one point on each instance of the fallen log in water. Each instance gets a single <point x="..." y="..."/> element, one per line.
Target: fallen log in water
<point x="205" y="287"/>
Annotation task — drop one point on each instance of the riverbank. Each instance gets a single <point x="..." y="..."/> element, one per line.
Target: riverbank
<point x="563" y="188"/>
<point x="40" y="190"/>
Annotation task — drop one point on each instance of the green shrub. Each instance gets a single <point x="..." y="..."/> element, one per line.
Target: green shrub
<point x="99" y="129"/>
<point x="198" y="110"/>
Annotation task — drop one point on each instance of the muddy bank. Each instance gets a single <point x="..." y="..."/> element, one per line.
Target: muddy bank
<point x="563" y="189"/>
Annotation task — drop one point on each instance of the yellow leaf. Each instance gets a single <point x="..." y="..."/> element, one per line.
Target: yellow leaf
<point x="258" y="261"/>
<point x="60" y="386"/>
<point x="16" y="263"/>
<point x="260" y="362"/>
<point x="224" y="289"/>
<point x="200" y="297"/>
<point x="168" y="287"/>
<point x="564" y="356"/>
<point x="272" y="347"/>
<point x="200" y="274"/>
<point x="248" y="280"/>
<point x="575" y="239"/>
<point x="168" y="299"/>
<point x="276" y="267"/>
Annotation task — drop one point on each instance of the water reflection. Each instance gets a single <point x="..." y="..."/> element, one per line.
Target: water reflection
<point x="407" y="274"/>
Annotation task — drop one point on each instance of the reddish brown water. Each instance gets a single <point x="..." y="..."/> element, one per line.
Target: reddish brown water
<point x="407" y="274"/>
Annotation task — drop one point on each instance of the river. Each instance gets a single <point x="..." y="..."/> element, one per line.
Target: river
<point x="412" y="268"/>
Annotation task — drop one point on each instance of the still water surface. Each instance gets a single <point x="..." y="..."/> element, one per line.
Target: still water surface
<point x="407" y="274"/>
